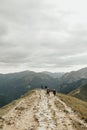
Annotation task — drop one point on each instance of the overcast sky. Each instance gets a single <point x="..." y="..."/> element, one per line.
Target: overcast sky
<point x="43" y="35"/>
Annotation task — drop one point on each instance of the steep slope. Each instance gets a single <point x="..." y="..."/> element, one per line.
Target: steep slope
<point x="70" y="81"/>
<point x="66" y="87"/>
<point x="80" y="93"/>
<point x="75" y="75"/>
<point x="12" y="86"/>
<point x="38" y="111"/>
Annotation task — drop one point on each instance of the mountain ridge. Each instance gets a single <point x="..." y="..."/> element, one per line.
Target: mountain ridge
<point x="13" y="85"/>
<point x="37" y="110"/>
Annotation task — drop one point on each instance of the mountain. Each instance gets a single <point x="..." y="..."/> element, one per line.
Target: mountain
<point x="75" y="75"/>
<point x="37" y="111"/>
<point x="66" y="87"/>
<point x="13" y="85"/>
<point x="70" y="81"/>
<point x="54" y="75"/>
<point x="80" y="93"/>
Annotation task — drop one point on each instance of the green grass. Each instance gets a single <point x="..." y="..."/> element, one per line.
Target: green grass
<point x="79" y="106"/>
<point x="82" y="94"/>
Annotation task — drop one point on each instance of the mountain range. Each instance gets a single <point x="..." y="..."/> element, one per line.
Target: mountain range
<point x="14" y="85"/>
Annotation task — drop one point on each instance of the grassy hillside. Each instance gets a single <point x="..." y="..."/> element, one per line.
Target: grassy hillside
<point x="80" y="93"/>
<point x="11" y="105"/>
<point x="79" y="106"/>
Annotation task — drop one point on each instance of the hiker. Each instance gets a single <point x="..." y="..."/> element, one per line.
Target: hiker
<point x="45" y="87"/>
<point x="48" y="91"/>
<point x="54" y="92"/>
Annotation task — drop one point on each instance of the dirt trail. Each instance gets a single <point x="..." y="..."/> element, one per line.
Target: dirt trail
<point x="40" y="112"/>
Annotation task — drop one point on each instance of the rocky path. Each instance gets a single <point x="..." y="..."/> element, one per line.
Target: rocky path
<point x="44" y="114"/>
<point x="41" y="112"/>
<point x="50" y="117"/>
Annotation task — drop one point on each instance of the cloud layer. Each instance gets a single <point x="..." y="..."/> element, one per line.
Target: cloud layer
<point x="42" y="35"/>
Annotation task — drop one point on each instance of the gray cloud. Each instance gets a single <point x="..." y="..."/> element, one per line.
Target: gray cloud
<point x="42" y="35"/>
